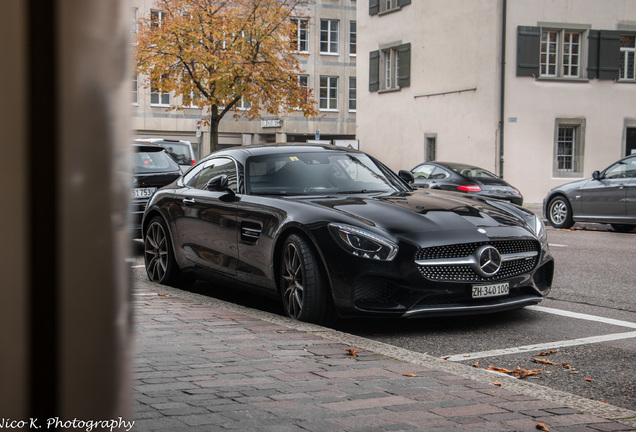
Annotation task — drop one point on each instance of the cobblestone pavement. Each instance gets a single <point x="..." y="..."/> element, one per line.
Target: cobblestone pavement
<point x="205" y="365"/>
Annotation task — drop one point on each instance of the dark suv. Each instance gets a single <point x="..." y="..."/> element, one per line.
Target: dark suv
<point x="152" y="169"/>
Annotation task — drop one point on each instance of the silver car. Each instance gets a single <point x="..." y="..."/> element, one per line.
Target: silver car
<point x="608" y="197"/>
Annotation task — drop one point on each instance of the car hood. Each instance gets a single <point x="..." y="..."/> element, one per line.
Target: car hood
<point x="435" y="214"/>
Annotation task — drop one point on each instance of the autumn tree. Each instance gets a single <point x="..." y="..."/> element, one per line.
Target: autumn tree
<point x="215" y="53"/>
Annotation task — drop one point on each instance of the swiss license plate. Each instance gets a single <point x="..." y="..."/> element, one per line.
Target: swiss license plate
<point x="143" y="192"/>
<point x="496" y="290"/>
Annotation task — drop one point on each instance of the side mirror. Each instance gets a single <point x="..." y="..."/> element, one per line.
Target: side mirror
<point x="407" y="176"/>
<point x="596" y="175"/>
<point x="219" y="184"/>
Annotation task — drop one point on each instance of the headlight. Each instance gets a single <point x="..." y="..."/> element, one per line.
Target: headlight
<point x="538" y="228"/>
<point x="362" y="243"/>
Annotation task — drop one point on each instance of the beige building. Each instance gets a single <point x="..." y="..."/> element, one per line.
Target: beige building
<point x="557" y="105"/>
<point x="326" y="42"/>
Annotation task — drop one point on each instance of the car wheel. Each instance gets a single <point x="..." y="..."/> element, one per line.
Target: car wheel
<point x="302" y="290"/>
<point x="622" y="228"/>
<point x="560" y="213"/>
<point x="161" y="265"/>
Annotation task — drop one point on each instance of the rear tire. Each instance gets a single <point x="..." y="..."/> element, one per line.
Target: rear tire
<point x="623" y="228"/>
<point x="304" y="294"/>
<point x="161" y="266"/>
<point x="559" y="213"/>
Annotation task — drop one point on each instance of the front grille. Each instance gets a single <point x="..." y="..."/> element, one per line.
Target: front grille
<point x="465" y="273"/>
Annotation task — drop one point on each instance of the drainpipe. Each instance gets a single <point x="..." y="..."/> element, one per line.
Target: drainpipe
<point x="502" y="89"/>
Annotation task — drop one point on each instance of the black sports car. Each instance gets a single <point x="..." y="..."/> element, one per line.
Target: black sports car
<point x="152" y="169"/>
<point x="464" y="178"/>
<point x="608" y="197"/>
<point x="331" y="229"/>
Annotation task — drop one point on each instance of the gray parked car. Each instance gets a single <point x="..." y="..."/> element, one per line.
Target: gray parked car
<point x="608" y="197"/>
<point x="180" y="150"/>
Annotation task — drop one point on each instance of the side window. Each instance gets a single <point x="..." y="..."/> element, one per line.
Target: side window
<point x="199" y="179"/>
<point x="623" y="169"/>
<point x="439" y="174"/>
<point x="423" y="172"/>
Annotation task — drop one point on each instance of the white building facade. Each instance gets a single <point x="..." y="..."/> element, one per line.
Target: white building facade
<point x="541" y="91"/>
<point x="327" y="45"/>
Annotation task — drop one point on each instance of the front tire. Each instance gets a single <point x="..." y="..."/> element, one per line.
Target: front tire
<point x="560" y="213"/>
<point x="302" y="289"/>
<point x="161" y="266"/>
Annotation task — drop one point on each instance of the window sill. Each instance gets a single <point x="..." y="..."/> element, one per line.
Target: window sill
<point x="390" y="90"/>
<point x="559" y="79"/>
<point x="329" y="54"/>
<point x="389" y="11"/>
<point x="328" y="110"/>
<point x="626" y="81"/>
<point x="160" y="106"/>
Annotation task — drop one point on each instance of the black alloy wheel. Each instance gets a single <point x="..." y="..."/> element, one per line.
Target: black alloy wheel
<point x="161" y="266"/>
<point x="560" y="213"/>
<point x="300" y="281"/>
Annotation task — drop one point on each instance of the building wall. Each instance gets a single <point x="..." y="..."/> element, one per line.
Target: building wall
<point x="158" y="121"/>
<point x="453" y="94"/>
<point x="456" y="45"/>
<point x="534" y="104"/>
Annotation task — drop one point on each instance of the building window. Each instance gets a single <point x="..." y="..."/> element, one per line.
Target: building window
<point x="158" y="97"/>
<point x="390" y="68"/>
<point x="627" y="69"/>
<point x="156" y="17"/>
<point x="133" y="21"/>
<point x="382" y="6"/>
<point x="192" y="100"/>
<point x="568" y="147"/>
<point x="243" y="105"/>
<point x="561" y="53"/>
<point x="329" y="93"/>
<point x="352" y="38"/>
<point x="300" y="38"/>
<point x="329" y="36"/>
<point x="135" y="89"/>
<point x="352" y="94"/>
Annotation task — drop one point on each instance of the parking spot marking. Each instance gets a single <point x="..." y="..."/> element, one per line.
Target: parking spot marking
<point x="558" y="344"/>
<point x="557" y="245"/>
<point x="541" y="346"/>
<point x="583" y="316"/>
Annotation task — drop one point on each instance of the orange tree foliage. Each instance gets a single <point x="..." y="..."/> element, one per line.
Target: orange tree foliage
<point x="213" y="53"/>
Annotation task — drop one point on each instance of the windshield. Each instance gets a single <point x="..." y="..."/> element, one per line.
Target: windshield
<point x="152" y="161"/>
<point x="473" y="172"/>
<point x="315" y="173"/>
<point x="179" y="152"/>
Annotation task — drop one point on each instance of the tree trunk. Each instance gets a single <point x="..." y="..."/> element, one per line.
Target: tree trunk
<point x="214" y="133"/>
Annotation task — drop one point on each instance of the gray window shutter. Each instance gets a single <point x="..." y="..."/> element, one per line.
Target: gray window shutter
<point x="403" y="2"/>
<point x="374" y="7"/>
<point x="404" y="77"/>
<point x="609" y="55"/>
<point x="592" y="56"/>
<point x="528" y="50"/>
<point x="374" y="71"/>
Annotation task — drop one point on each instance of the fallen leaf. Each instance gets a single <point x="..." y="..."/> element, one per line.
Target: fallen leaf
<point x="546" y="353"/>
<point x="412" y="375"/>
<point x="588" y="379"/>
<point x="567" y="366"/>
<point x="164" y="295"/>
<point x="445" y="358"/>
<point x="543" y="427"/>
<point x="546" y="361"/>
<point x="518" y="373"/>
<point x="476" y="364"/>
<point x="498" y="383"/>
<point x="352" y="352"/>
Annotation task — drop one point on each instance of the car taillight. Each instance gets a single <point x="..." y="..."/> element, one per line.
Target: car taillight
<point x="469" y="188"/>
<point x="192" y="162"/>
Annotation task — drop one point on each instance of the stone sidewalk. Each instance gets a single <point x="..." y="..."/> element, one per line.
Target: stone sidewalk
<point x="205" y="365"/>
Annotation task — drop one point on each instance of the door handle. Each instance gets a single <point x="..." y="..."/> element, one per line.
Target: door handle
<point x="189" y="201"/>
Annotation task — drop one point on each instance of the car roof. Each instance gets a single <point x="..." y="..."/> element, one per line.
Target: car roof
<point x="146" y="146"/>
<point x="283" y="148"/>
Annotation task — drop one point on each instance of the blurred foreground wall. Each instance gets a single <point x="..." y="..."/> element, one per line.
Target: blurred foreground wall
<point x="64" y="133"/>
